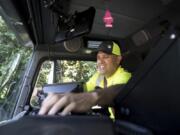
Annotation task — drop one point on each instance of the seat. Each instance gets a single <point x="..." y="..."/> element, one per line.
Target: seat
<point x="151" y="97"/>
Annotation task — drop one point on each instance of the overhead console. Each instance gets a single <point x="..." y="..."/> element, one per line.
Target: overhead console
<point x="70" y="26"/>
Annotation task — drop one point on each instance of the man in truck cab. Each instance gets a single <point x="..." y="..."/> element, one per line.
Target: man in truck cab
<point x="109" y="73"/>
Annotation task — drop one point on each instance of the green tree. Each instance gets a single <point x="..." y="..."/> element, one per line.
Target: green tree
<point x="13" y="57"/>
<point x="77" y="70"/>
<point x="66" y="71"/>
<point x="43" y="75"/>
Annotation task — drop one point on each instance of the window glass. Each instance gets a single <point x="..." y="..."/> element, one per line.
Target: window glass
<point x="13" y="59"/>
<point x="61" y="71"/>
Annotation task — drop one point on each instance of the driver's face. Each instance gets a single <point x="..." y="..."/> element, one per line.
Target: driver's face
<point x="107" y="64"/>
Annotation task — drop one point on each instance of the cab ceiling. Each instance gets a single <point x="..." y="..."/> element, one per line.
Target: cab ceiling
<point x="129" y="15"/>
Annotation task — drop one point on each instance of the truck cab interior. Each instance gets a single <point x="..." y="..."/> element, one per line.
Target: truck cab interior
<point x="63" y="35"/>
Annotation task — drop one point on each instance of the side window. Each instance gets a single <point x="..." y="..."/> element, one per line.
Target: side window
<point x="13" y="59"/>
<point x="61" y="71"/>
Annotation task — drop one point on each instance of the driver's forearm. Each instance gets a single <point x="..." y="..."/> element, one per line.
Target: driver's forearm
<point x="106" y="96"/>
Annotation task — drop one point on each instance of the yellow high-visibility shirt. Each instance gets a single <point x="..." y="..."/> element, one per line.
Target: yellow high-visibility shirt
<point x="119" y="77"/>
<point x="97" y="80"/>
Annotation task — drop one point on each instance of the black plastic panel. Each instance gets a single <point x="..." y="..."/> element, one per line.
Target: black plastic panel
<point x="57" y="125"/>
<point x="153" y="96"/>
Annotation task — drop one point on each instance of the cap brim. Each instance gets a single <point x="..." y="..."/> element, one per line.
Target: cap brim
<point x="97" y="50"/>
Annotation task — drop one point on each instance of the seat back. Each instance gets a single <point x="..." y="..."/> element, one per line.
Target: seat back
<point x="151" y="97"/>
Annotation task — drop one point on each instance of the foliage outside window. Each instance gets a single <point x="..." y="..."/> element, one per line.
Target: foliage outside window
<point x="13" y="58"/>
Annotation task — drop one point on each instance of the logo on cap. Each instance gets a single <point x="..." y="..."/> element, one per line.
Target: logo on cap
<point x="109" y="46"/>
